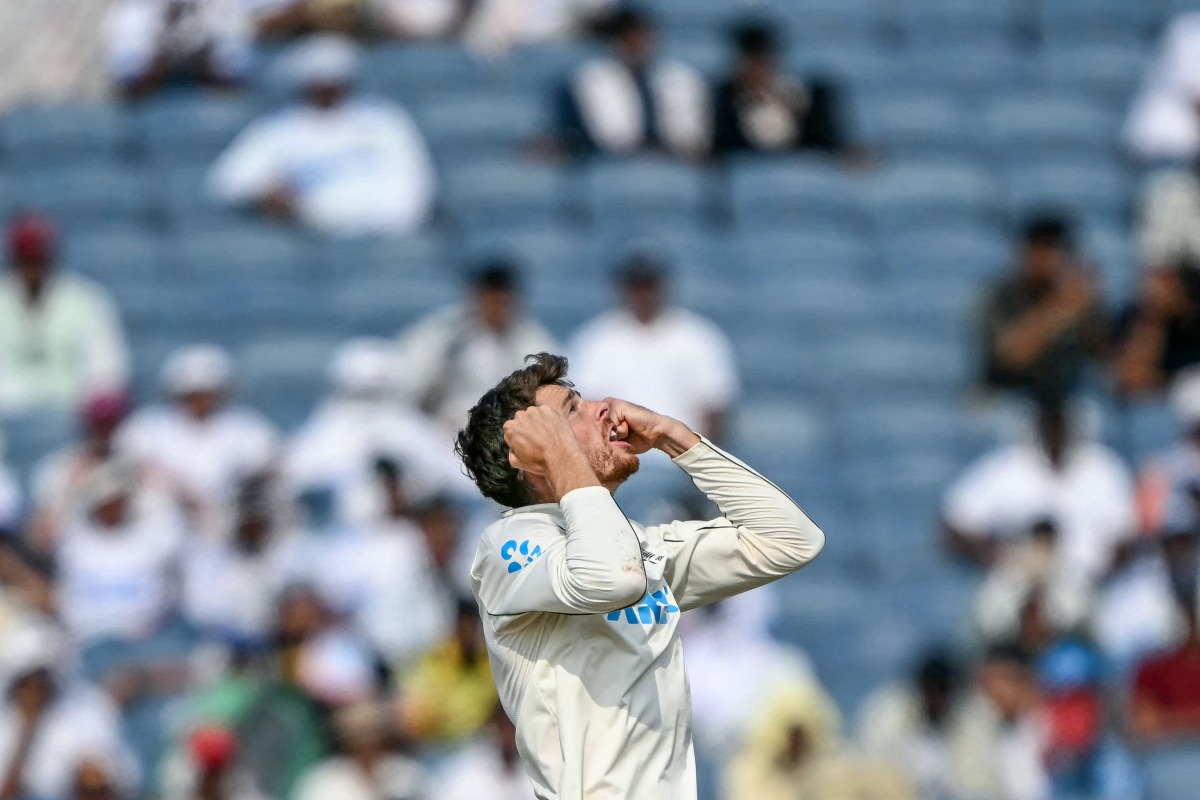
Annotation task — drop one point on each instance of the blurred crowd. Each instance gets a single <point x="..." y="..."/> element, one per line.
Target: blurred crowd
<point x="195" y="604"/>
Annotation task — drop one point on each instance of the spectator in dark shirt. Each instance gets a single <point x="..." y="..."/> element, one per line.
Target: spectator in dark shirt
<point x="1041" y="323"/>
<point x="760" y="109"/>
<point x="1166" y="688"/>
<point x="635" y="101"/>
<point x="1160" y="334"/>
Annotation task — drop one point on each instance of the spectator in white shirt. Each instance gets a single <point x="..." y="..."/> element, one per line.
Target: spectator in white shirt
<point x="335" y="162"/>
<point x="117" y="564"/>
<point x="634" y="101"/>
<point x="500" y="25"/>
<point x="200" y="440"/>
<point x="657" y="355"/>
<point x="153" y="42"/>
<point x="48" y="725"/>
<point x="1169" y="218"/>
<point x="231" y="584"/>
<point x="489" y="766"/>
<point x="452" y="357"/>
<point x="1082" y="486"/>
<point x="358" y="423"/>
<point x="1164" y="123"/>
<point x="371" y="767"/>
<point x="60" y="336"/>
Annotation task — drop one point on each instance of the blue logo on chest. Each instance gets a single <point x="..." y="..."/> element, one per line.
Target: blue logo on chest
<point x="519" y="556"/>
<point x="652" y="610"/>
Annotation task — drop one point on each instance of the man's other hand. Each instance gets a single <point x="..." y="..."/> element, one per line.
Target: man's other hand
<point x="647" y="430"/>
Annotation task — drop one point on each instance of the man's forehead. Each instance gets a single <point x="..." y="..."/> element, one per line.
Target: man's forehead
<point x="554" y="394"/>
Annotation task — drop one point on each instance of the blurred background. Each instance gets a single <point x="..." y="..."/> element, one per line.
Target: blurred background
<point x="930" y="265"/>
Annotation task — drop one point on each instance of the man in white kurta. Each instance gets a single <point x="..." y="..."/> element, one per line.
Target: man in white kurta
<point x="581" y="606"/>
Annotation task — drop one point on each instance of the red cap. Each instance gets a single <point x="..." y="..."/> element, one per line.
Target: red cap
<point x="212" y="747"/>
<point x="31" y="237"/>
<point x="104" y="408"/>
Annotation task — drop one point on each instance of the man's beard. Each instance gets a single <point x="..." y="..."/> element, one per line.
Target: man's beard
<point x="612" y="466"/>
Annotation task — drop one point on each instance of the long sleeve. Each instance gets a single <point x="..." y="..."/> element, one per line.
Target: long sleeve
<point x="761" y="536"/>
<point x="592" y="565"/>
<point x="251" y="165"/>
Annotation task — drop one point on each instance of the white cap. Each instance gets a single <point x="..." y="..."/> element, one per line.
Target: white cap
<point x="30" y="645"/>
<point x="1185" y="396"/>
<point x="363" y="366"/>
<point x="197" y="368"/>
<point x="323" y="59"/>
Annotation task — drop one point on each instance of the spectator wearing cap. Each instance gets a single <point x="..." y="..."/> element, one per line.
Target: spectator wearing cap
<point x="334" y="162"/>
<point x="49" y="724"/>
<point x="204" y="443"/>
<point x="1165" y="701"/>
<point x="1159" y="335"/>
<point x="450" y="358"/>
<point x="359" y="423"/>
<point x="1081" y="488"/>
<point x="1163" y="123"/>
<point x="1040" y="324"/>
<point x="762" y="110"/>
<point x="60" y="335"/>
<point x="635" y="101"/>
<point x="653" y="353"/>
<point x="152" y="43"/>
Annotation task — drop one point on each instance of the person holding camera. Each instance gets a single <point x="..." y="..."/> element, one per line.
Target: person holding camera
<point x="1160" y="334"/>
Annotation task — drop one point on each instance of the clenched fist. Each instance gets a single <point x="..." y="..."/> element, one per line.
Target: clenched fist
<point x="646" y="430"/>
<point x="536" y="436"/>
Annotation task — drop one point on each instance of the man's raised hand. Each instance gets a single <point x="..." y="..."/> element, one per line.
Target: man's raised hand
<point x="536" y="436"/>
<point x="646" y="430"/>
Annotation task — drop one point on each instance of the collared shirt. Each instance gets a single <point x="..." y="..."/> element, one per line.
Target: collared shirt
<point x="580" y="608"/>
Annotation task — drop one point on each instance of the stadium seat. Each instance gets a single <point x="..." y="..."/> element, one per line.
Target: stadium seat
<point x="545" y="66"/>
<point x="870" y="363"/>
<point x="1100" y="20"/>
<point x="46" y="134"/>
<point x="190" y="127"/>
<point x="934" y="22"/>
<point x="380" y="305"/>
<point x="86" y="194"/>
<point x="1173" y="773"/>
<point x="696" y="15"/>
<point x="780" y="193"/>
<point x="1106" y="70"/>
<point x="955" y="252"/>
<point x="419" y="256"/>
<point x="28" y="437"/>
<point x="183" y="199"/>
<point x="410" y="71"/>
<point x="504" y="192"/>
<point x="1150" y="427"/>
<point x="248" y="251"/>
<point x="284" y="377"/>
<point x="852" y="63"/>
<point x="916" y="124"/>
<point x="818" y="21"/>
<point x="813" y="253"/>
<point x="470" y="126"/>
<point x="537" y="250"/>
<point x="763" y="421"/>
<point x="932" y="191"/>
<point x="645" y="188"/>
<point x="1078" y="186"/>
<point x="121" y="254"/>
<point x="1026" y="124"/>
<point x="971" y="69"/>
<point x="1111" y="249"/>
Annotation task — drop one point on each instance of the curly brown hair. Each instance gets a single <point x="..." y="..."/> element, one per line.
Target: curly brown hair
<point x="481" y="446"/>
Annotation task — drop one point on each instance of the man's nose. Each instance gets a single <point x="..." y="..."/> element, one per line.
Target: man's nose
<point x="600" y="410"/>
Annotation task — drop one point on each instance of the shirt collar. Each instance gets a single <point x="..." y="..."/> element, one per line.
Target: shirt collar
<point x="552" y="509"/>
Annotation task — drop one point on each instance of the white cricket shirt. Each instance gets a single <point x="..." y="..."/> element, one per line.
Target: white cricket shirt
<point x="580" y="608"/>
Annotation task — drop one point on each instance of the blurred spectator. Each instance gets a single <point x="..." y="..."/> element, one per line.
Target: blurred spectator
<point x="1165" y="702"/>
<point x="50" y="726"/>
<point x="117" y="562"/>
<point x="371" y="571"/>
<point x="500" y="25"/>
<point x="1081" y="487"/>
<point x="212" y="752"/>
<point x="1159" y="335"/>
<point x="60" y="336"/>
<point x="760" y="109"/>
<point x="489" y="766"/>
<point x="61" y="475"/>
<point x="1169" y="481"/>
<point x="360" y="422"/>
<point x="1164" y="124"/>
<point x="203" y="442"/>
<point x="232" y="583"/>
<point x="371" y="767"/>
<point x="10" y="498"/>
<point x="287" y="19"/>
<point x="335" y="162"/>
<point x="1169" y="218"/>
<point x="1041" y="323"/>
<point x="53" y="51"/>
<point x="909" y="723"/>
<point x="450" y="695"/>
<point x="1030" y="590"/>
<point x="997" y="744"/>
<point x="152" y="43"/>
<point x="793" y="753"/>
<point x="634" y="101"/>
<point x="93" y="779"/>
<point x="450" y="358"/>
<point x="420" y="19"/>
<point x="656" y="354"/>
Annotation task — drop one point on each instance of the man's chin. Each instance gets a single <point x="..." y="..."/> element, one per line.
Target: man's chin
<point x="620" y="468"/>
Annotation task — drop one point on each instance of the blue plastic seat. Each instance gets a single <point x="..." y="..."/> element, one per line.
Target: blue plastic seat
<point x="964" y="251"/>
<point x="46" y="134"/>
<point x="29" y="437"/>
<point x="908" y="124"/>
<point x="190" y="126"/>
<point x="815" y="252"/>
<point x="284" y="377"/>
<point x="932" y="191"/>
<point x="504" y="192"/>
<point x="1033" y="123"/>
<point x="410" y="71"/>
<point x="645" y="187"/>
<point x="782" y="193"/>
<point x="546" y="65"/>
<point x="1096" y="20"/>
<point x="869" y="363"/>
<point x="419" y="256"/>
<point x="90" y="193"/>
<point x="706" y="52"/>
<point x="247" y="252"/>
<point x="780" y="429"/>
<point x="818" y="21"/>
<point x="856" y="62"/>
<point x="1173" y="773"/>
<point x="380" y="305"/>
<point x="1079" y="186"/>
<point x="538" y="251"/>
<point x="970" y="68"/>
<point x="925" y="22"/>
<point x="1108" y="69"/>
<point x="119" y="254"/>
<point x="472" y="125"/>
<point x="696" y="15"/>
<point x="1112" y="250"/>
